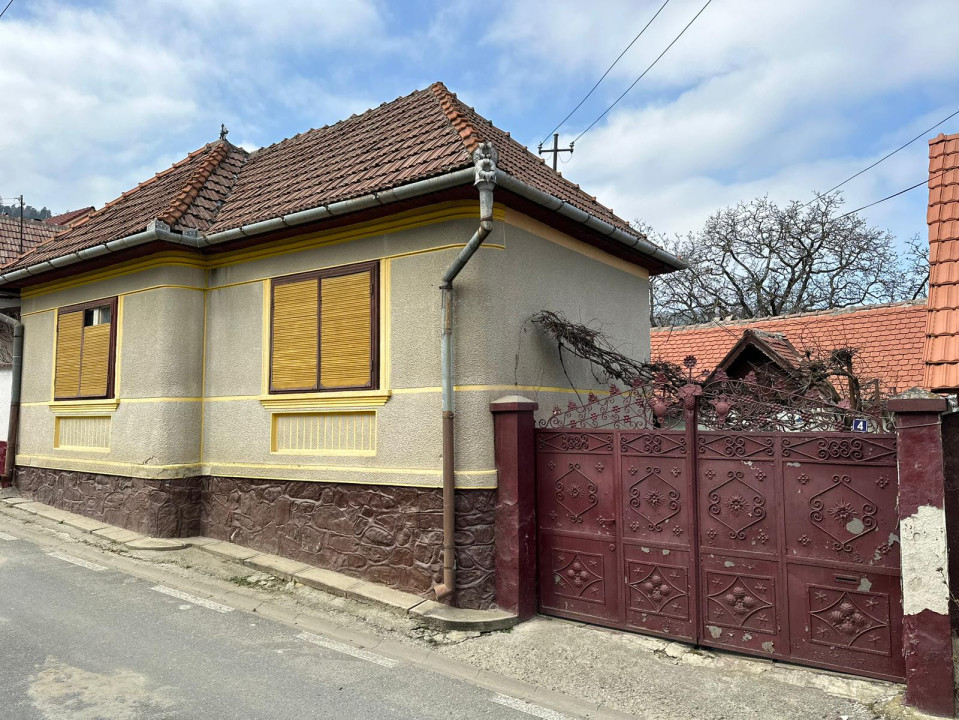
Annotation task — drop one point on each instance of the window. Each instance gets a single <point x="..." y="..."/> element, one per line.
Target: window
<point x="324" y="330"/>
<point x="86" y="344"/>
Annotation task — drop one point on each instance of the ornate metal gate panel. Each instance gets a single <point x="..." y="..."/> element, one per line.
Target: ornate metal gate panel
<point x="779" y="544"/>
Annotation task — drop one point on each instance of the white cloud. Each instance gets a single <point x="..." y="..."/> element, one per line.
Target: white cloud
<point x="756" y="98"/>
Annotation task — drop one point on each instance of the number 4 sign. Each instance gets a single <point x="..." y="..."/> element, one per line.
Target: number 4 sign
<point x="860" y="425"/>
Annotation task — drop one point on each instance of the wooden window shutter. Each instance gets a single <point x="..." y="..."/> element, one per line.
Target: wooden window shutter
<point x="295" y="335"/>
<point x="95" y="363"/>
<point x="69" y="345"/>
<point x="346" y="342"/>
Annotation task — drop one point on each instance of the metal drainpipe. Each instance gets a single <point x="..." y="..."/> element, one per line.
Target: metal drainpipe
<point x="17" y="371"/>
<point x="484" y="160"/>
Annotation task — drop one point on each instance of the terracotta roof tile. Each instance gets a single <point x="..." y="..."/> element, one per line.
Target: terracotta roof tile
<point x="221" y="187"/>
<point x="942" y="347"/>
<point x="34" y="233"/>
<point x="68" y="218"/>
<point x="186" y="195"/>
<point x="889" y="338"/>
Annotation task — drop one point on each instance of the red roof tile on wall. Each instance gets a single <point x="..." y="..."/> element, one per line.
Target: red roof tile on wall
<point x="890" y="339"/>
<point x="942" y="347"/>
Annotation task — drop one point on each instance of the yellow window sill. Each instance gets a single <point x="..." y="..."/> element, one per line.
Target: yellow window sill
<point x="324" y="401"/>
<point x="83" y="407"/>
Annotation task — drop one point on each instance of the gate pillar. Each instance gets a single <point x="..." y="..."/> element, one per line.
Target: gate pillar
<point x="927" y="636"/>
<point x="515" y="562"/>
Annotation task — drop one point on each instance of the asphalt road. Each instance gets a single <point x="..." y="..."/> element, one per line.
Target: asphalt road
<point x="81" y="643"/>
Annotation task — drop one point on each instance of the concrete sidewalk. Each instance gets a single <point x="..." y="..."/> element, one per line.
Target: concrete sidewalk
<point x="577" y="669"/>
<point x="427" y="613"/>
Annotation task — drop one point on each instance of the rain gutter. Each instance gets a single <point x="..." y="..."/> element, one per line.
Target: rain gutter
<point x="484" y="160"/>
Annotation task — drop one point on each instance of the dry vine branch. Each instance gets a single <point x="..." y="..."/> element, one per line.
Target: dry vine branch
<point x="593" y="346"/>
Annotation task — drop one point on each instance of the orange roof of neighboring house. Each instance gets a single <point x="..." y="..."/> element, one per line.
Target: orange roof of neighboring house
<point x="221" y="187"/>
<point x="889" y="338"/>
<point x="69" y="218"/>
<point x="942" y="346"/>
<point x="34" y="233"/>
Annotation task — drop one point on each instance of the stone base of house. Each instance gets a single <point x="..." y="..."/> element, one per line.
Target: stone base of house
<point x="159" y="508"/>
<point x="390" y="535"/>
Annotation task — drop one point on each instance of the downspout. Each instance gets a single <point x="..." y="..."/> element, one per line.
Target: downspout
<point x="6" y="479"/>
<point x="484" y="160"/>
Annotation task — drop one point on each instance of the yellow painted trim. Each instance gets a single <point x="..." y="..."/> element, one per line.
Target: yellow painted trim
<point x="525" y="222"/>
<point x="53" y="363"/>
<point x="206" y="297"/>
<point x="26" y="459"/>
<point x="53" y="405"/>
<point x="386" y="317"/>
<point x="83" y="407"/>
<point x="274" y="443"/>
<point x="407" y="220"/>
<point x="77" y="448"/>
<point x="478" y="388"/>
<point x="171" y="258"/>
<point x="471" y="479"/>
<point x="37" y="312"/>
<point x="359" y="399"/>
<point x="394" y="256"/>
<point x="165" y="287"/>
<point x="323" y="401"/>
<point x="118" y="350"/>
<point x="265" y="338"/>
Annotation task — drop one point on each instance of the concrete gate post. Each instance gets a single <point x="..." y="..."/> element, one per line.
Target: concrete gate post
<point x="515" y="563"/>
<point x="927" y="636"/>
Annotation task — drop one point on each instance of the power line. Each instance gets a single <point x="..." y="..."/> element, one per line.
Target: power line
<point x="885" y="157"/>
<point x="890" y="197"/>
<point x="5" y="9"/>
<point x="644" y="72"/>
<point x="605" y="73"/>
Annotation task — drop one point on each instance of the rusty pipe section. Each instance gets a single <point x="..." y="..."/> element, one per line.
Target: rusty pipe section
<point x="6" y="479"/>
<point x="484" y="161"/>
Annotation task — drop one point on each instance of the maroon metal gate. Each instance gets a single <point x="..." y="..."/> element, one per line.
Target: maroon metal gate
<point x="780" y="544"/>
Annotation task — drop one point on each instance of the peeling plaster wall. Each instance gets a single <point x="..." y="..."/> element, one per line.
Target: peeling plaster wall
<point x="924" y="561"/>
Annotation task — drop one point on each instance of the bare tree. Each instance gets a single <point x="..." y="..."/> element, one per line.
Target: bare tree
<point x="758" y="259"/>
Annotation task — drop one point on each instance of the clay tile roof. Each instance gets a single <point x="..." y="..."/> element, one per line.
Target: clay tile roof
<point x="68" y="218"/>
<point x="184" y="196"/>
<point x="34" y="233"/>
<point x="220" y="187"/>
<point x="889" y="338"/>
<point x="942" y="346"/>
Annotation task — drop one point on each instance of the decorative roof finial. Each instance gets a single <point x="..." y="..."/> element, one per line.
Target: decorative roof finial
<point x="223" y="131"/>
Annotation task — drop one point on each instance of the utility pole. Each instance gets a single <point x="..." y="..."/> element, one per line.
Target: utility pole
<point x="21" y="223"/>
<point x="556" y="149"/>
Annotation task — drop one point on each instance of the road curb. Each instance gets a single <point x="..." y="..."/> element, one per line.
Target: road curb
<point x="425" y="613"/>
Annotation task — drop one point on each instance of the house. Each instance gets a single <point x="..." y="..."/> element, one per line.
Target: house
<point x="15" y="239"/>
<point x="68" y="218"/>
<point x="889" y="340"/>
<point x="255" y="346"/>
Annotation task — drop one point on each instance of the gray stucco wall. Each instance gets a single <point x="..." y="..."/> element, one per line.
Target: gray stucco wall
<point x="176" y="417"/>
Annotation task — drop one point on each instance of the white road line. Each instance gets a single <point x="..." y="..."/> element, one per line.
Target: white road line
<point x="348" y="650"/>
<point x="529" y="708"/>
<point x="5" y="536"/>
<point x="77" y="561"/>
<point x="202" y="602"/>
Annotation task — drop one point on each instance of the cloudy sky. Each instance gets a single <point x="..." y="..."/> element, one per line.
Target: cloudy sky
<point x="759" y="97"/>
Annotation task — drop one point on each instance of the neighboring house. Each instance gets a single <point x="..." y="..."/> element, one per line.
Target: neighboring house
<point x="69" y="218"/>
<point x="942" y="343"/>
<point x="911" y="344"/>
<point x="889" y="340"/>
<point x="247" y="345"/>
<point x="15" y="239"/>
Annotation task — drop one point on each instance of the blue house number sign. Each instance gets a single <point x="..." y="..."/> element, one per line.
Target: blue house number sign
<point x="860" y="425"/>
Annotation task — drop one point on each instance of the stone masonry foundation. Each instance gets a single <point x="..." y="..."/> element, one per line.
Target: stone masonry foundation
<point x="390" y="535"/>
<point x="159" y="508"/>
